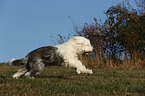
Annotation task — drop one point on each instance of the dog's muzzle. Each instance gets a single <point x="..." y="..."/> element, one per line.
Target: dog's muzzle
<point x="88" y="51"/>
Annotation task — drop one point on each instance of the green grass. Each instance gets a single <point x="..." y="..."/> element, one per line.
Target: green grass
<point x="62" y="81"/>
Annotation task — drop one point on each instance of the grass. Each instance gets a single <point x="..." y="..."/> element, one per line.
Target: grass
<point x="60" y="81"/>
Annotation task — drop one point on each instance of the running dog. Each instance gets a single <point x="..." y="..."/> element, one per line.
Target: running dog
<point x="65" y="54"/>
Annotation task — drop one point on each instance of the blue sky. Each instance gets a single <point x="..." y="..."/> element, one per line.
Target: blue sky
<point x="29" y="24"/>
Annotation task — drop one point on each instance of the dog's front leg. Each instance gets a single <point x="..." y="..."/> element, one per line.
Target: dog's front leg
<point x="80" y="68"/>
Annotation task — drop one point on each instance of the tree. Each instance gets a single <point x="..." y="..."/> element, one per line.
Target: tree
<point x="122" y="32"/>
<point x="130" y="28"/>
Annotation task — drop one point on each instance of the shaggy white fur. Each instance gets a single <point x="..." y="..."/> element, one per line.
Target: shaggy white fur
<point x="70" y="50"/>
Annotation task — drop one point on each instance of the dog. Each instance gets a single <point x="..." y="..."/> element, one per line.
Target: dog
<point x="65" y="54"/>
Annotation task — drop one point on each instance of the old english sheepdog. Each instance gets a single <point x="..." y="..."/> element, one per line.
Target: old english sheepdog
<point x="65" y="54"/>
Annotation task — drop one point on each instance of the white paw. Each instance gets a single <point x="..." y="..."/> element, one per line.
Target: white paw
<point x="27" y="74"/>
<point x="91" y="72"/>
<point x="31" y="77"/>
<point x="78" y="71"/>
<point x="87" y="71"/>
<point x="15" y="76"/>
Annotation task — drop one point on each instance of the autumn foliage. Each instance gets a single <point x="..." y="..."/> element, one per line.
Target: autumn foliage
<point x="119" y="42"/>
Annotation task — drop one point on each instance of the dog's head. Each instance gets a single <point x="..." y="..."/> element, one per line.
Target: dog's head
<point x="82" y="44"/>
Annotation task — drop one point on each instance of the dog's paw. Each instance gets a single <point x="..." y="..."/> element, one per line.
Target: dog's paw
<point x="88" y="72"/>
<point x="78" y="71"/>
<point x="31" y="77"/>
<point x="15" y="77"/>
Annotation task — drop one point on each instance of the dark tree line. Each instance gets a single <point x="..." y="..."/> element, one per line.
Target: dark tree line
<point x="122" y="34"/>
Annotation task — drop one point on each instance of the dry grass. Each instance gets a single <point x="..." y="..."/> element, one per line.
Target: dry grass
<point x="104" y="63"/>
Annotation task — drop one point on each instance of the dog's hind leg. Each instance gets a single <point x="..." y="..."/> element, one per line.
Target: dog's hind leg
<point x="19" y="73"/>
<point x="36" y="68"/>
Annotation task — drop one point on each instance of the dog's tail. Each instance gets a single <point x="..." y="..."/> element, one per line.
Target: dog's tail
<point x="18" y="62"/>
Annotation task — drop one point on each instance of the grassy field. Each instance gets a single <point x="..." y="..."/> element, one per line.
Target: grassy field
<point x="62" y="81"/>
